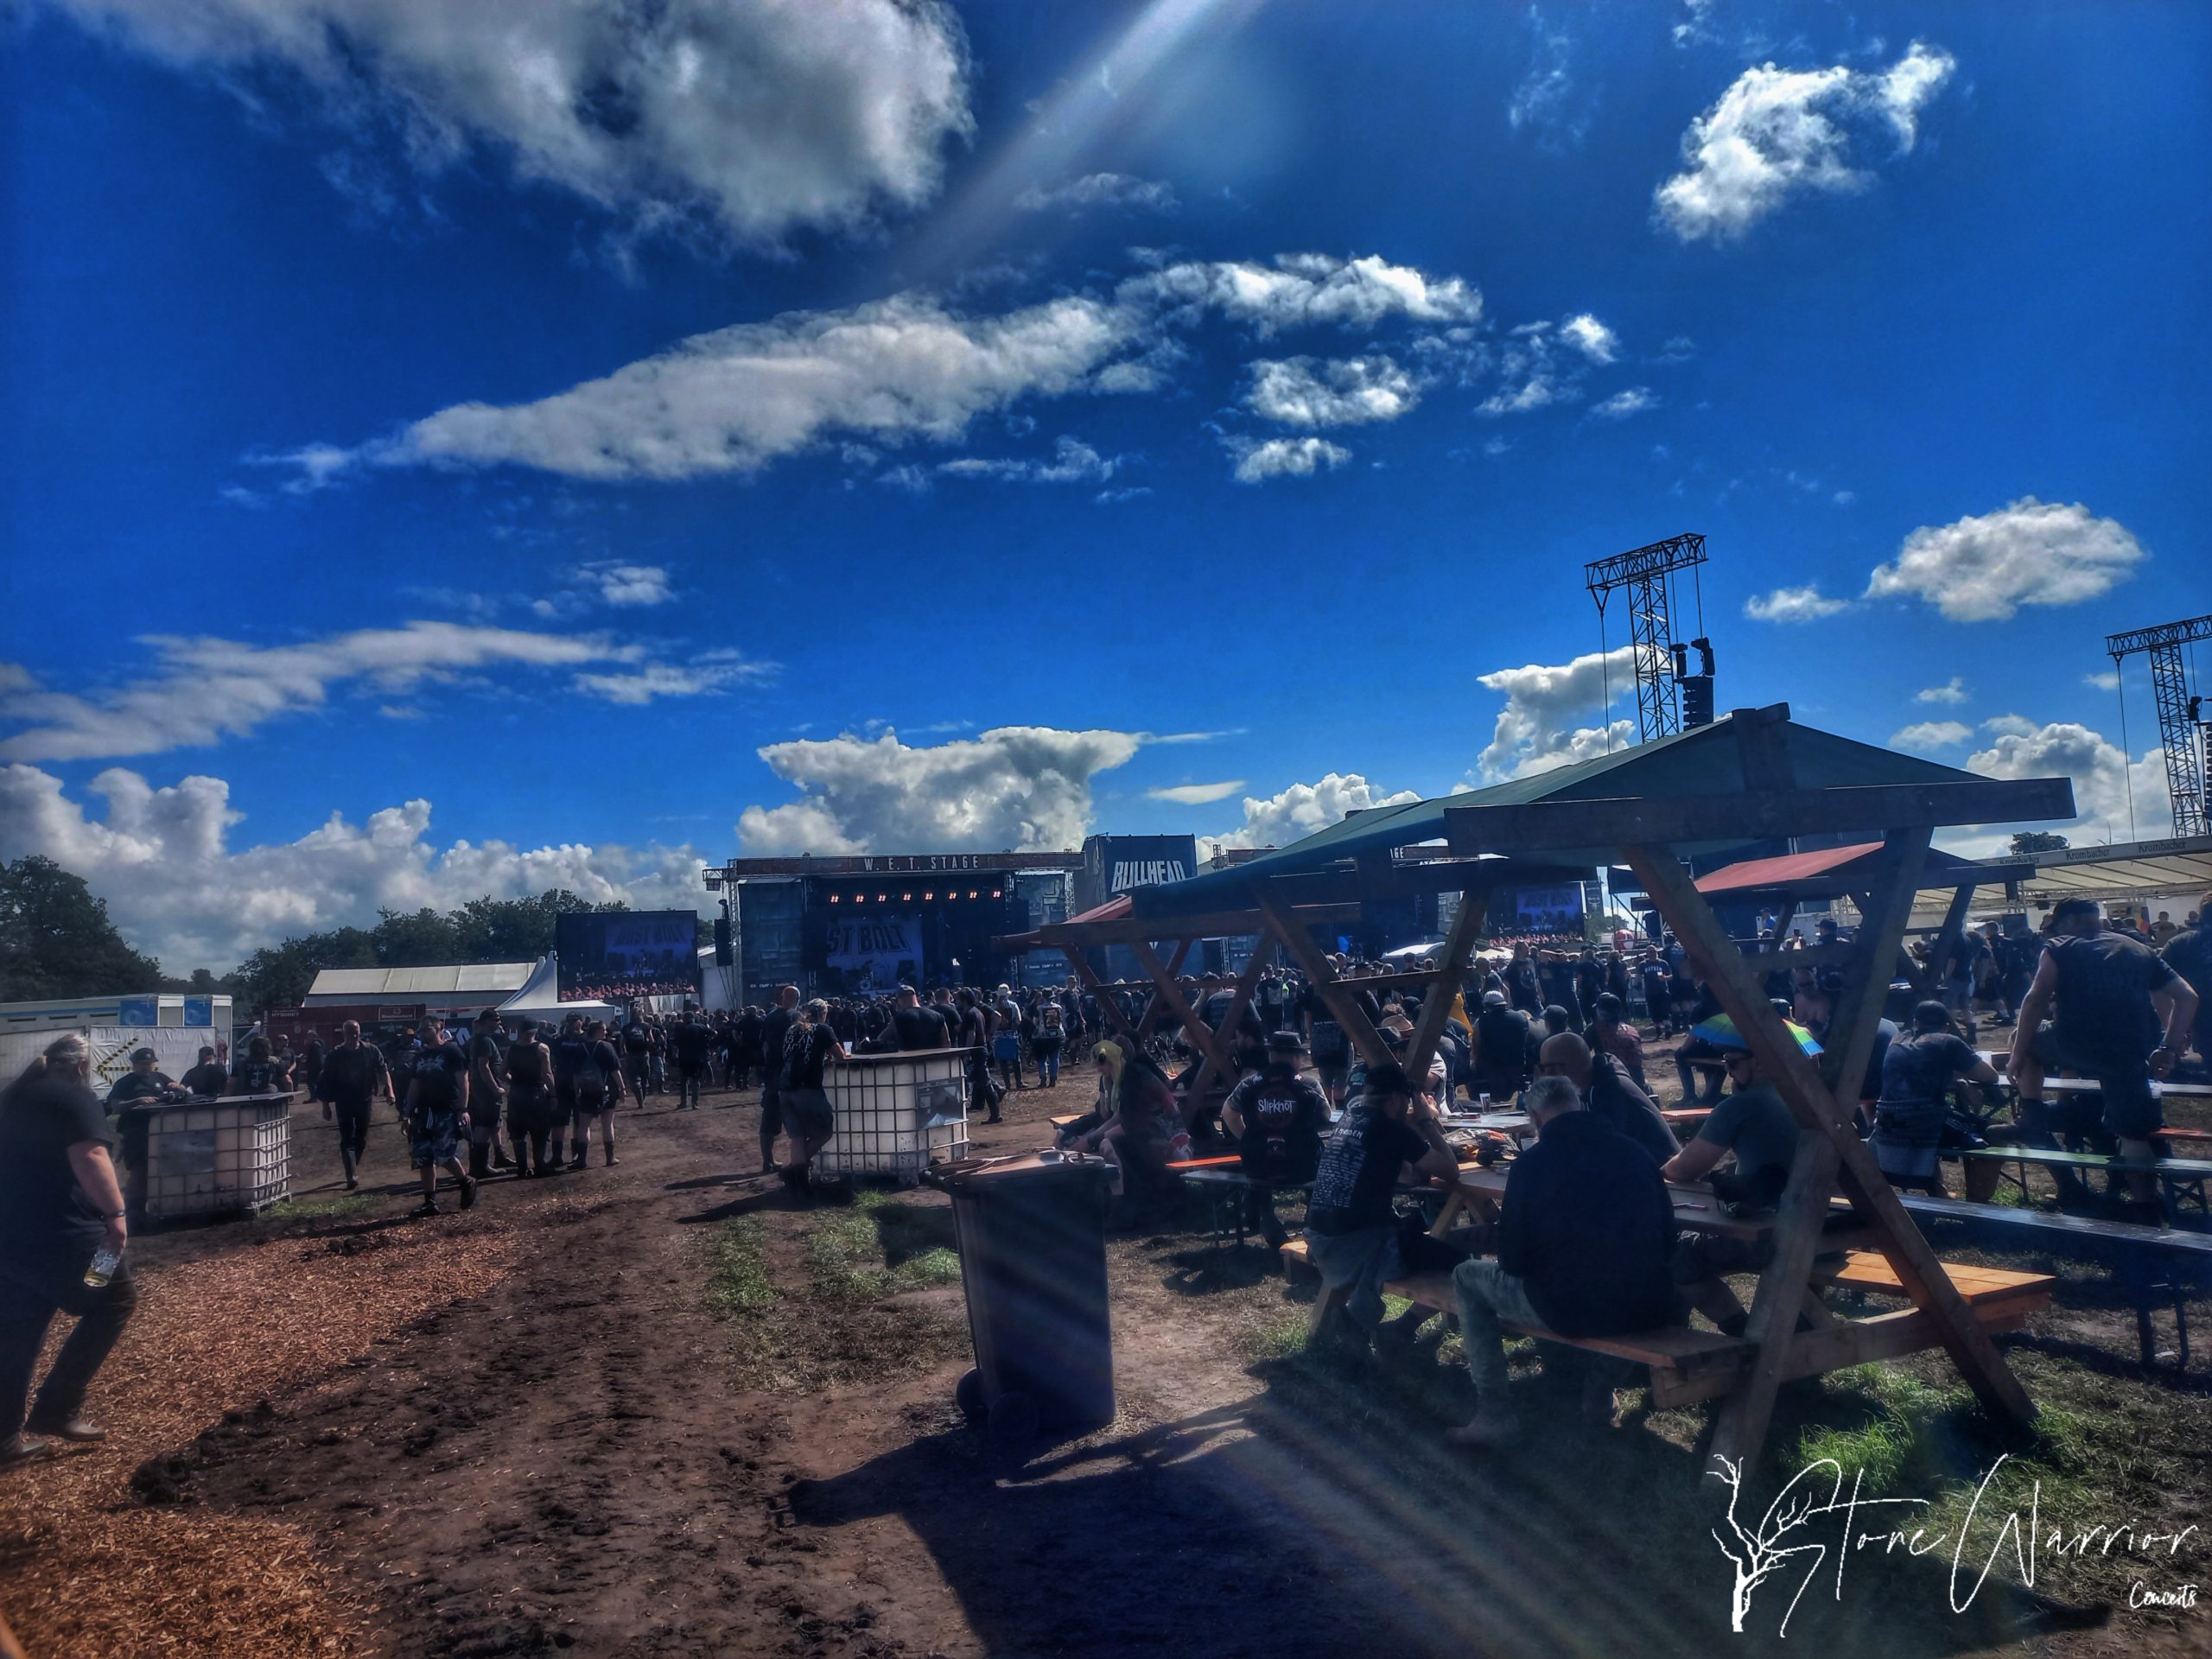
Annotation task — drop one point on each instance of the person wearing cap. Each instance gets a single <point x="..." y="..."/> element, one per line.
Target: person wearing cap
<point x="1276" y="1117"/>
<point x="1754" y="1126"/>
<point x="2119" y="1015"/>
<point x="1351" y="1233"/>
<point x="143" y="1082"/>
<point x="1585" y="1235"/>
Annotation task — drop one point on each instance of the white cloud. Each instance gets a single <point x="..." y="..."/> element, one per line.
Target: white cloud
<point x="1547" y="99"/>
<point x="1539" y="727"/>
<point x="1805" y="604"/>
<point x="892" y="370"/>
<point x="1955" y="691"/>
<point x="745" y="117"/>
<point x="1778" y="132"/>
<point x="1984" y="568"/>
<point x="1015" y="787"/>
<point x="1284" y="458"/>
<point x="607" y="581"/>
<point x="703" y="675"/>
<point x="1590" y="338"/>
<point x="2106" y="680"/>
<point x="203" y="688"/>
<point x="1531" y="374"/>
<point x="162" y="860"/>
<point x="1302" y="809"/>
<point x="1344" y="392"/>
<point x="1100" y="190"/>
<point x="1073" y="463"/>
<point x="1197" y="794"/>
<point x="1622" y="405"/>
<point x="1930" y="734"/>
<point x="1692" y="29"/>
<point x="1305" y="291"/>
<point x="2020" y="748"/>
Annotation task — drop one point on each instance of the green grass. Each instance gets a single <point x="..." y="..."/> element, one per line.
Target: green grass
<point x="737" y="1274"/>
<point x="878" y="1248"/>
<point x="335" y="1207"/>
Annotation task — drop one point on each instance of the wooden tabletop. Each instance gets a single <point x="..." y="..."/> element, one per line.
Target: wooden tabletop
<point x="1696" y="1208"/>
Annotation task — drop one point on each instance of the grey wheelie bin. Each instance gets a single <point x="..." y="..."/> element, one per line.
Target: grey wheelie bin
<point x="1032" y="1233"/>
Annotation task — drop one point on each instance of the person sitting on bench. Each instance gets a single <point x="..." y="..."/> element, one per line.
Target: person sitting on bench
<point x="1916" y="1076"/>
<point x="1351" y="1234"/>
<point x="1584" y="1237"/>
<point x="1607" y="1093"/>
<point x="2110" y="998"/>
<point x="1138" y="1124"/>
<point x="1752" y="1123"/>
<point x="1276" y="1117"/>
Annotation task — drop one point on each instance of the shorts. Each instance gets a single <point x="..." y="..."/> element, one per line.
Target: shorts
<point x="434" y="1140"/>
<point x="806" y="1113"/>
<point x="2131" y="1110"/>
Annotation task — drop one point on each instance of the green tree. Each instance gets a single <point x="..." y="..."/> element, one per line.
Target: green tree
<point x="56" y="939"/>
<point x="2037" y="840"/>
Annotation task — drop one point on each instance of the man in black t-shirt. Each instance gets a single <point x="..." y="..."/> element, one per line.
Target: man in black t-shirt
<point x="2119" y="1015"/>
<point x="353" y="1074"/>
<point x="436" y="1111"/>
<point x="1277" y="1118"/>
<point x="207" y="1079"/>
<point x="487" y="1053"/>
<point x="637" y="1054"/>
<point x="692" y="1040"/>
<point x="2189" y="953"/>
<point x="1351" y="1237"/>
<point x="1917" y="1073"/>
<point x="604" y="1063"/>
<point x="773" y="1029"/>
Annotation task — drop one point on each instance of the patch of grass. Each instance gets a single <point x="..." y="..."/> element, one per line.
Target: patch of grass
<point x="880" y="1247"/>
<point x="1275" y="1339"/>
<point x="737" y="1274"/>
<point x="337" y="1207"/>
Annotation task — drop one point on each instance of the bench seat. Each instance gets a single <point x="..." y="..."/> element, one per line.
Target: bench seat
<point x="1870" y="1270"/>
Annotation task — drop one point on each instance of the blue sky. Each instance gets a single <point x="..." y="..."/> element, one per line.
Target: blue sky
<point x="1253" y="376"/>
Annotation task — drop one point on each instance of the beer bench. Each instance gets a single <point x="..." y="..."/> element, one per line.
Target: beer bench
<point x="1686" y="1365"/>
<point x="2178" y="1177"/>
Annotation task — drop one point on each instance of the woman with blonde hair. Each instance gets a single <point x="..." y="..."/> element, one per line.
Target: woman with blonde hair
<point x="61" y="1217"/>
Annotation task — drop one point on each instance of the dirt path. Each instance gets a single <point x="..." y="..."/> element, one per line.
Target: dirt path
<point x="573" y="1451"/>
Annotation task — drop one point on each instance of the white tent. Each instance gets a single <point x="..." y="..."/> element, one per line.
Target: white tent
<point x="540" y="997"/>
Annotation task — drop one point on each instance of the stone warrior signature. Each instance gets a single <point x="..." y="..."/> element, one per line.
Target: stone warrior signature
<point x="1780" y="1544"/>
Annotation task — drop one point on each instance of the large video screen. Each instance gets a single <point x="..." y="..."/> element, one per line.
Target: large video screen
<point x="612" y="955"/>
<point x="1548" y="909"/>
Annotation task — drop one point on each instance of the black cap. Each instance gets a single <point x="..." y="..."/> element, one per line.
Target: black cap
<point x="1285" y="1042"/>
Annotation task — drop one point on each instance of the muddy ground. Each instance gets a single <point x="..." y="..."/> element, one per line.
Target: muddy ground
<point x="671" y="1409"/>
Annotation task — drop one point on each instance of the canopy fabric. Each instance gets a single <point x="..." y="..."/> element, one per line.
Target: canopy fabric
<point x="2179" y="867"/>
<point x="540" y="997"/>
<point x="1703" y="762"/>
<point x="1112" y="911"/>
<point x="1838" y="864"/>
<point x="396" y="984"/>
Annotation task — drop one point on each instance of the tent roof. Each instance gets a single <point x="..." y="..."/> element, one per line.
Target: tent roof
<point x="1112" y="911"/>
<point x="1702" y="762"/>
<point x="2179" y="867"/>
<point x="542" y="995"/>
<point x="496" y="978"/>
<point x="1830" y="868"/>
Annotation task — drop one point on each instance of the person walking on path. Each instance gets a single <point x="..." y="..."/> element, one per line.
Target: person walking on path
<point x="59" y="1204"/>
<point x="353" y="1075"/>
<point x="437" y="1116"/>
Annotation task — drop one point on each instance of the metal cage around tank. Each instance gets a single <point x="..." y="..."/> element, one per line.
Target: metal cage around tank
<point x="895" y="1114"/>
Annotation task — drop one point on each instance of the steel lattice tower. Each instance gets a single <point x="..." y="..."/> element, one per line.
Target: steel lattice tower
<point x="1644" y="571"/>
<point x="2186" y="741"/>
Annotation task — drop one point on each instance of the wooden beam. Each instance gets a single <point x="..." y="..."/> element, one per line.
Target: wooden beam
<point x="1295" y="939"/>
<point x="1955" y="920"/>
<point x="1131" y="930"/>
<point x="1211" y="1066"/>
<point x="1890" y="1229"/>
<point x="1751" y="817"/>
<point x="1108" y="1004"/>
<point x="1202" y="1037"/>
<point x="1154" y="1006"/>
<point x="1436" y="1007"/>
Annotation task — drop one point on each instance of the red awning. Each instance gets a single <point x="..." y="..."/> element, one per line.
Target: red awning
<point x="1790" y="867"/>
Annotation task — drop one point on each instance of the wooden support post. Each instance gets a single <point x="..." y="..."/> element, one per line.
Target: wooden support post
<point x="1436" y="1007"/>
<point x="1202" y="1037"/>
<point x="1156" y="1005"/>
<point x="1108" y="1005"/>
<point x="1929" y="981"/>
<point x="1263" y="952"/>
<point x="1293" y="938"/>
<point x="1838" y="1149"/>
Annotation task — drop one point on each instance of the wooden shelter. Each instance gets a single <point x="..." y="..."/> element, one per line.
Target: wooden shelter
<point x="1754" y="776"/>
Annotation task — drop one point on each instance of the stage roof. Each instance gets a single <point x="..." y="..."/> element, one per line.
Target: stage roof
<point x="2130" y="870"/>
<point x="502" y="978"/>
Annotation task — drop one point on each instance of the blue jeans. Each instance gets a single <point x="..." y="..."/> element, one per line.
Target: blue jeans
<point x="1489" y="1298"/>
<point x="1046" y="1053"/>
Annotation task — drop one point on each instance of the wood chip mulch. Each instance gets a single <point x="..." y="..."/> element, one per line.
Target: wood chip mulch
<point x="89" y="1569"/>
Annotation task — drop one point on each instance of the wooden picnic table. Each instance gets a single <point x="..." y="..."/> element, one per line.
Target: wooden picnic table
<point x="2160" y="1090"/>
<point x="1696" y="1209"/>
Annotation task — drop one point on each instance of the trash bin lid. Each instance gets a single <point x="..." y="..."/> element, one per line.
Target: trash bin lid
<point x="970" y="1173"/>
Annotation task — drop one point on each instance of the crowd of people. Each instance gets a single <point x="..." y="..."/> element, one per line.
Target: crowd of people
<point x="1586" y="1243"/>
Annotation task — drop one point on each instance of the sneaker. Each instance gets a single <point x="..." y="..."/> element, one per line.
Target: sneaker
<point x="21" y="1449"/>
<point x="72" y="1427"/>
<point x="579" y="1162"/>
<point x="468" y="1193"/>
<point x="351" y="1183"/>
<point x="429" y="1207"/>
<point x="1488" y="1426"/>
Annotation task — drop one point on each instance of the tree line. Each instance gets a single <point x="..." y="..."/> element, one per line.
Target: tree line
<point x="57" y="940"/>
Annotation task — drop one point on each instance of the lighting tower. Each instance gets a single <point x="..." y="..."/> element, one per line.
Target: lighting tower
<point x="2184" y="737"/>
<point x="1662" y="666"/>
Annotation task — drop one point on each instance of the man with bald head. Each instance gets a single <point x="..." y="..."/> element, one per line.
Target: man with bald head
<point x="1607" y="1093"/>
